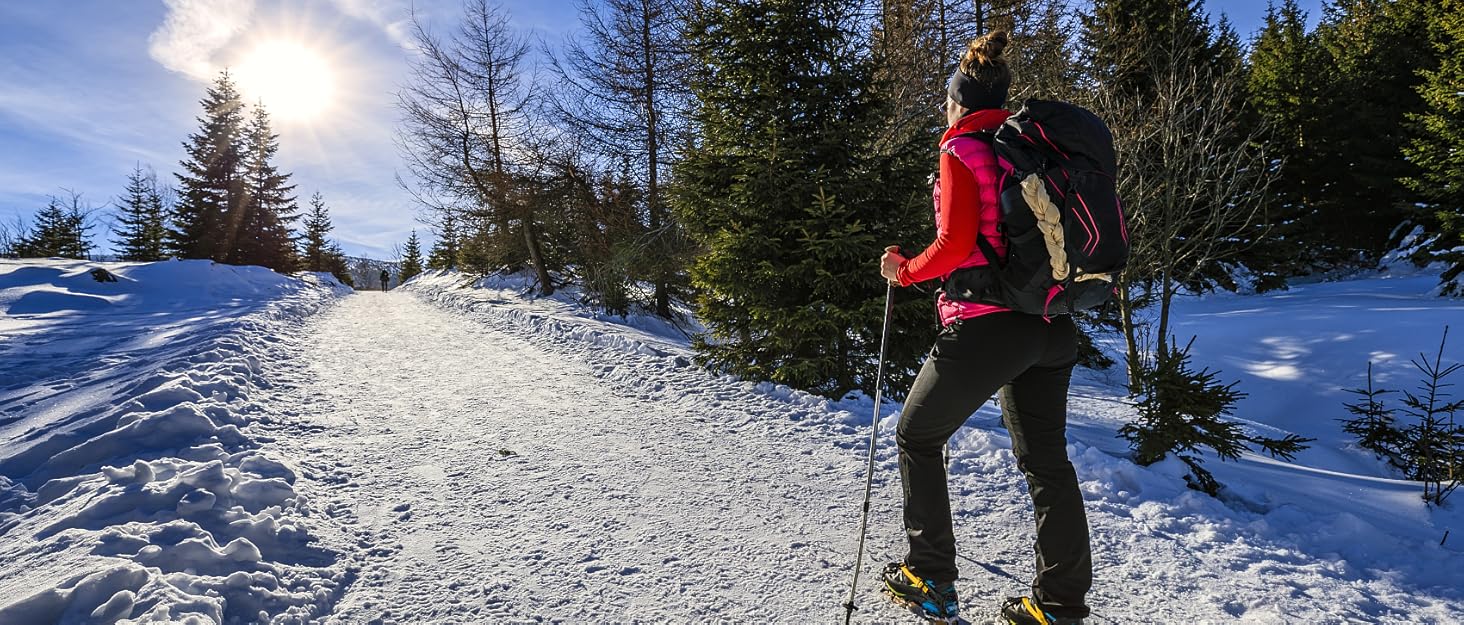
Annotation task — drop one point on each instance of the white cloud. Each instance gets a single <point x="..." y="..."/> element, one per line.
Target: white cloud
<point x="194" y="30"/>
<point x="388" y="15"/>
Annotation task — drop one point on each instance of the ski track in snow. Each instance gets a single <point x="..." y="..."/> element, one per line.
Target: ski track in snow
<point x="487" y="463"/>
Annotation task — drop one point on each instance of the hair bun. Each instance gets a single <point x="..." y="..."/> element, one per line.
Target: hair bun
<point x="989" y="47"/>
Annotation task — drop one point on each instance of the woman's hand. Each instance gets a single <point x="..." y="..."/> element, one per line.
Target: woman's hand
<point x="889" y="264"/>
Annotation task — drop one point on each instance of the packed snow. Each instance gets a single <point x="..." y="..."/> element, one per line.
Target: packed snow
<point x="230" y="445"/>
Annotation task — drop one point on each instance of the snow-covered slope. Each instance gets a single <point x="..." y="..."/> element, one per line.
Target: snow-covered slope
<point x="130" y="486"/>
<point x="1331" y="538"/>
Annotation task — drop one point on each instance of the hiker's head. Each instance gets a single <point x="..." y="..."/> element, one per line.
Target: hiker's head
<point x="982" y="79"/>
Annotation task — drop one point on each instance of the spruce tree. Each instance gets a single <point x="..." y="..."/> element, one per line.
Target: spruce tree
<point x="60" y="231"/>
<point x="259" y="230"/>
<point x="1438" y="146"/>
<point x="314" y="244"/>
<point x="1373" y="423"/>
<point x="411" y="259"/>
<point x="1288" y="90"/>
<point x="142" y="222"/>
<point x="317" y="252"/>
<point x="336" y="263"/>
<point x="1182" y="411"/>
<point x="1433" y="451"/>
<point x="1127" y="42"/>
<point x="791" y="197"/>
<point x="444" y="254"/>
<point x="1375" y="50"/>
<point x="211" y="190"/>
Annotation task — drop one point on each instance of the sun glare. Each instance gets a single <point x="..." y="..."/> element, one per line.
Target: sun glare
<point x="296" y="83"/>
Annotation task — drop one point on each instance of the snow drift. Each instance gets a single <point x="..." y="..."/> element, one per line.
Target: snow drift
<point x="130" y="487"/>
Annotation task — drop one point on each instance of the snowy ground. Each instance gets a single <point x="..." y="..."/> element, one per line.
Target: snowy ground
<point x="467" y="455"/>
<point x="129" y="482"/>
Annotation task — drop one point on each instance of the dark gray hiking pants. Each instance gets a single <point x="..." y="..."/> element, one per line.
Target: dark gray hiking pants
<point x="1030" y="361"/>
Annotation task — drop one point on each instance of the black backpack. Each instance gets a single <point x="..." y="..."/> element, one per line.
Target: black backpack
<point x="1058" y="161"/>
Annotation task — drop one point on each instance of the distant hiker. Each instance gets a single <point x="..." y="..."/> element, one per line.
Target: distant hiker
<point x="385" y="279"/>
<point x="984" y="347"/>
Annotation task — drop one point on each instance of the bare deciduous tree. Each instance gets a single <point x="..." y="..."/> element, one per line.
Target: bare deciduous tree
<point x="11" y="235"/>
<point x="624" y="93"/>
<point x="467" y="126"/>
<point x="1193" y="179"/>
<point x="919" y="41"/>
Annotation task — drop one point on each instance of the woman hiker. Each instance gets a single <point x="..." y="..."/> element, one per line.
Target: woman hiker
<point x="983" y="348"/>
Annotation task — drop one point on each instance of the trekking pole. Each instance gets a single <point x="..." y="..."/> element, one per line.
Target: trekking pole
<point x="884" y="336"/>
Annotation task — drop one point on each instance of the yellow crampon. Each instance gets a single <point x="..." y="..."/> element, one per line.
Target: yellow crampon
<point x="1031" y="607"/>
<point x="921" y="606"/>
<point x="915" y="579"/>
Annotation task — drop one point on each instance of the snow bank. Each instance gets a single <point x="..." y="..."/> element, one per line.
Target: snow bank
<point x="130" y="487"/>
<point x="1330" y="538"/>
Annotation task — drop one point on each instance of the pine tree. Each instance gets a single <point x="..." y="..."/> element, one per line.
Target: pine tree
<point x="1438" y="147"/>
<point x="143" y="221"/>
<point x="60" y="231"/>
<point x="211" y="188"/>
<point x="260" y="232"/>
<point x="444" y="254"/>
<point x="792" y="197"/>
<point x="315" y="246"/>
<point x="411" y="259"/>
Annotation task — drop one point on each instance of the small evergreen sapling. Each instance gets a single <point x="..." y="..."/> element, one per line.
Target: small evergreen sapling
<point x="1182" y="410"/>
<point x="1373" y="422"/>
<point x="1435" y="442"/>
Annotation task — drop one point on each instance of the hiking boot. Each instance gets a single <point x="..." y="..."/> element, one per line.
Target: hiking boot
<point x="932" y="600"/>
<point x="1026" y="611"/>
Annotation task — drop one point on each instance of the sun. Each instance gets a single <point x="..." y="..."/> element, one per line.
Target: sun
<point x="295" y="82"/>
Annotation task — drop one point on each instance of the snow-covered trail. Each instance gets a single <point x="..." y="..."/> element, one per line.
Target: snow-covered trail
<point x="457" y="452"/>
<point x="487" y="462"/>
<point x="490" y="480"/>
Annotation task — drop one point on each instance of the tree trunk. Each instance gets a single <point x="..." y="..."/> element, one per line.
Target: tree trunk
<point x="531" y="240"/>
<point x="653" y="203"/>
<point x="1166" y="297"/>
<point x="1130" y="337"/>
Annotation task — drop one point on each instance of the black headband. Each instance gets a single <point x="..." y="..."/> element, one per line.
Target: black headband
<point x="974" y="95"/>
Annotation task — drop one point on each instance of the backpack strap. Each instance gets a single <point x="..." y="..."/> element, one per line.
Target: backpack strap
<point x="989" y="251"/>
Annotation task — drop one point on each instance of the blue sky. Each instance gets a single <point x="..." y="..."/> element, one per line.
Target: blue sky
<point x="88" y="88"/>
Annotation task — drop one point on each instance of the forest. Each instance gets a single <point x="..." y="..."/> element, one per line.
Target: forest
<point x="750" y="160"/>
<point x="754" y="158"/>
